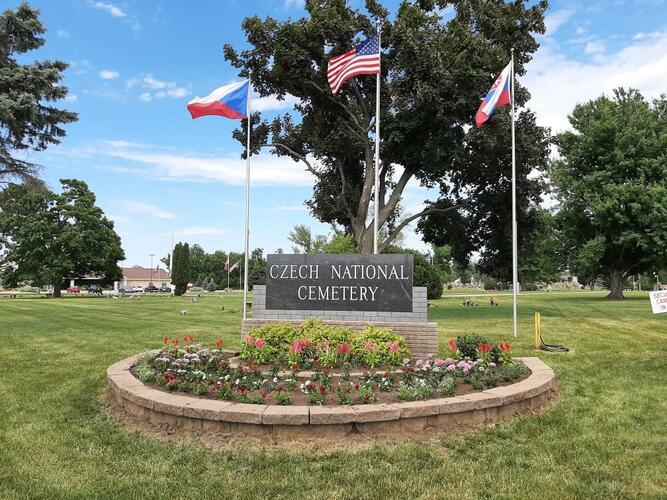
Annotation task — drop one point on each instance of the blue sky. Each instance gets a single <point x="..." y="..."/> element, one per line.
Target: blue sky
<point x="135" y="65"/>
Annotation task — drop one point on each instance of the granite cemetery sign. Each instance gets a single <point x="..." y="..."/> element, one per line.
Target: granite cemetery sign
<point x="351" y="290"/>
<point x="339" y="282"/>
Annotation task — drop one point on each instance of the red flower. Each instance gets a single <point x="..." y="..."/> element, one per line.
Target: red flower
<point x="323" y="390"/>
<point x="393" y="346"/>
<point x="259" y="343"/>
<point x="192" y="338"/>
<point x="343" y="348"/>
<point x="480" y="347"/>
<point x="166" y="340"/>
<point x="174" y="342"/>
<point x="169" y="377"/>
<point x="356" y="386"/>
<point x="504" y="347"/>
<point x="325" y="371"/>
<point x="452" y="344"/>
<point x="218" y="343"/>
<point x="249" y="340"/>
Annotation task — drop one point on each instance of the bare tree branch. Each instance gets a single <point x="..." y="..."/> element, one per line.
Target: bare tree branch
<point x="343" y="192"/>
<point x="296" y="155"/>
<point x="341" y="105"/>
<point x="405" y="222"/>
<point x="386" y="210"/>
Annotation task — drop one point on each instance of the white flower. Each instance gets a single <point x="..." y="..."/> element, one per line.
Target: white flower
<point x="275" y="379"/>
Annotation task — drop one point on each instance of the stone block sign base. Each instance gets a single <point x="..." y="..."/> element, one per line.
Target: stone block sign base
<point x="420" y="335"/>
<point x="185" y="413"/>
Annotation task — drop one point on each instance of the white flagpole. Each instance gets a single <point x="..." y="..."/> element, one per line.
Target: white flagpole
<point x="376" y="205"/>
<point x="228" y="266"/>
<point x="247" y="203"/>
<point x="515" y="272"/>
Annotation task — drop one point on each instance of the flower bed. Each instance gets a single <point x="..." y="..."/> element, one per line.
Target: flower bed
<point x="343" y="368"/>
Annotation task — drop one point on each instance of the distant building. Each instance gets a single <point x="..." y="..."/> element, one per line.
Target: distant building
<point x="143" y="276"/>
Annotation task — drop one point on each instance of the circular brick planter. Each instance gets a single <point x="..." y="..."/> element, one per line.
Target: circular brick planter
<point x="170" y="411"/>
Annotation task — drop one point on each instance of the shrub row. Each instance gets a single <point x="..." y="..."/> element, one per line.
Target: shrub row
<point x="314" y="343"/>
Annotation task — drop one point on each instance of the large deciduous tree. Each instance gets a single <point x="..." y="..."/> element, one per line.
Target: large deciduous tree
<point x="439" y="57"/>
<point x="48" y="237"/>
<point x="611" y="182"/>
<point x="28" y="119"/>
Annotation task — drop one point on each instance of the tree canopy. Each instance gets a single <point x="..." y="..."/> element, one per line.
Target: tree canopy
<point x="611" y="182"/>
<point x="28" y="120"/>
<point x="47" y="237"/>
<point x="434" y="72"/>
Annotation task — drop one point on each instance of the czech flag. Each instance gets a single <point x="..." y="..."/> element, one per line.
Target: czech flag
<point x="498" y="96"/>
<point x="230" y="101"/>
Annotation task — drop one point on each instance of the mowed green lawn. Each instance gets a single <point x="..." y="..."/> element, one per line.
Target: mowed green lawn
<point x="605" y="436"/>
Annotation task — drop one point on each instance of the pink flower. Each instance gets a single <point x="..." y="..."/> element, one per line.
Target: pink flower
<point x="368" y="346"/>
<point x="259" y="343"/>
<point x="440" y="362"/>
<point x="343" y="348"/>
<point x="393" y="346"/>
<point x="250" y="340"/>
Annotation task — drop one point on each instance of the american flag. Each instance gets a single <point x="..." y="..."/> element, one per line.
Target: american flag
<point x="362" y="60"/>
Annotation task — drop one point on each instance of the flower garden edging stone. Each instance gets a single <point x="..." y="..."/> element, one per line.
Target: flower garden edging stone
<point x="186" y="413"/>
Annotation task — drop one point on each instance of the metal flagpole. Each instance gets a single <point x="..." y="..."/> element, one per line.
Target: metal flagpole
<point x="515" y="272"/>
<point x="376" y="205"/>
<point x="247" y="203"/>
<point x="228" y="266"/>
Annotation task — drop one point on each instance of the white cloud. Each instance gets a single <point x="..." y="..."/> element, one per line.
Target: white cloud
<point x="153" y="83"/>
<point x="553" y="21"/>
<point x="174" y="165"/>
<point x="271" y="103"/>
<point x="107" y="74"/>
<point x="71" y="97"/>
<point x="557" y="83"/>
<point x="62" y="33"/>
<point x="200" y="231"/>
<point x="594" y="48"/>
<point x="294" y="3"/>
<point x="112" y="9"/>
<point x="152" y="210"/>
<point x="288" y="208"/>
<point x="165" y="88"/>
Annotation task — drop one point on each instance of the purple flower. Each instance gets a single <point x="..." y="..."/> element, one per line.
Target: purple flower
<point x="481" y="368"/>
<point x="451" y="368"/>
<point x="440" y="362"/>
<point x="449" y="361"/>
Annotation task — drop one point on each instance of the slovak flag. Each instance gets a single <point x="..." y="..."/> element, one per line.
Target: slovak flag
<point x="230" y="101"/>
<point x="498" y="96"/>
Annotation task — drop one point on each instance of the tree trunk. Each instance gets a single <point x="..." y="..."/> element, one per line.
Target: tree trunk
<point x="56" y="291"/>
<point x="616" y="279"/>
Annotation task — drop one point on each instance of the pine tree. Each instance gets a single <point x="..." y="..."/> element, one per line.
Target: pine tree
<point x="28" y="120"/>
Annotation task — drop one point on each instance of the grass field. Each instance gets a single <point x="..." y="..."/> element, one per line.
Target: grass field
<point x="605" y="437"/>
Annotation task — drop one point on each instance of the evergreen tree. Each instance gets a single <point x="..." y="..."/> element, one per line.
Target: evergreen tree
<point x="28" y="121"/>
<point x="180" y="276"/>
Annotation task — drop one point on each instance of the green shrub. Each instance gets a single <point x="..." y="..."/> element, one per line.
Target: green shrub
<point x="144" y="371"/>
<point x="283" y="398"/>
<point x="467" y="345"/>
<point x="373" y="347"/>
